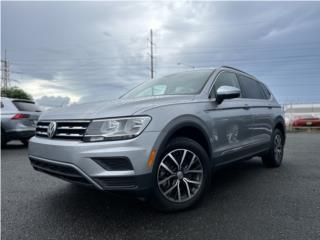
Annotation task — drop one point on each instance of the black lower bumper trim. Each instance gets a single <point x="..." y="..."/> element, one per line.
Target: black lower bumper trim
<point x="130" y="183"/>
<point x="133" y="184"/>
<point x="64" y="172"/>
<point x="19" y="135"/>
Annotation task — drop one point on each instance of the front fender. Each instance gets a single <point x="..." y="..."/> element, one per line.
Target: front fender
<point x="178" y="123"/>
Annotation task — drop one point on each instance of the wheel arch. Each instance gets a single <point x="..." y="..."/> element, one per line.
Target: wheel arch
<point x="185" y="126"/>
<point x="279" y="123"/>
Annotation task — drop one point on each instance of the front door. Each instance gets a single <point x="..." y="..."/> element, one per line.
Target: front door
<point x="231" y="122"/>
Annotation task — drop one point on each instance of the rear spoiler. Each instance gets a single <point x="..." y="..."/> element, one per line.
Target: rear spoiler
<point x="23" y="100"/>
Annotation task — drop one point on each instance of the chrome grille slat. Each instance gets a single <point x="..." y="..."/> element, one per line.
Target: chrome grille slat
<point x="73" y="129"/>
<point x="42" y="133"/>
<point x="76" y="127"/>
<point x="41" y="126"/>
<point x="69" y="134"/>
<point x="66" y="121"/>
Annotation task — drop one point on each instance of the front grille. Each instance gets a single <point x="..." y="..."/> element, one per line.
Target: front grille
<point x="65" y="129"/>
<point x="58" y="170"/>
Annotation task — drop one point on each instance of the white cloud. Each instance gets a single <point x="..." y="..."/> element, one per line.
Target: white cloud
<point x="97" y="50"/>
<point x="48" y="102"/>
<point x="39" y="88"/>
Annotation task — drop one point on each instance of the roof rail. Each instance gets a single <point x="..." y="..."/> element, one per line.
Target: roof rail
<point x="236" y="69"/>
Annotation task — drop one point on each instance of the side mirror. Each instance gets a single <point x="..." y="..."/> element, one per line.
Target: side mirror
<point x="227" y="92"/>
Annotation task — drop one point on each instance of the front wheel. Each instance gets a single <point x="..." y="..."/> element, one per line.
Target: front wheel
<point x="25" y="142"/>
<point x="274" y="157"/>
<point x="181" y="175"/>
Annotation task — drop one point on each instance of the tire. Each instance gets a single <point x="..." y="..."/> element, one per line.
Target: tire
<point x="25" y="142"/>
<point x="179" y="184"/>
<point x="3" y="139"/>
<point x="274" y="157"/>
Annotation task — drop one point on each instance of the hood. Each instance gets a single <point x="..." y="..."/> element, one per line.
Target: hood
<point x="112" y="108"/>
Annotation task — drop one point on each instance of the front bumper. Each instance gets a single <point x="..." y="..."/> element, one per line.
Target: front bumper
<point x="76" y="161"/>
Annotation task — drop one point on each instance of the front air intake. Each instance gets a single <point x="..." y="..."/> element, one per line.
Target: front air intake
<point x="114" y="163"/>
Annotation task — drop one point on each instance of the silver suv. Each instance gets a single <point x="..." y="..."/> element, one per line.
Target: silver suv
<point x="162" y="139"/>
<point x="18" y="120"/>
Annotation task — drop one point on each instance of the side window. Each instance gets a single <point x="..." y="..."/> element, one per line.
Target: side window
<point x="225" y="79"/>
<point x="251" y="88"/>
<point x="266" y="91"/>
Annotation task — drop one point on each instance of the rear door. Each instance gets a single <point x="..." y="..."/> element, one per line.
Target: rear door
<point x="261" y="109"/>
<point x="231" y="122"/>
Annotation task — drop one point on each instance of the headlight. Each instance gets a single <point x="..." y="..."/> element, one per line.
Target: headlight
<point x="115" y="128"/>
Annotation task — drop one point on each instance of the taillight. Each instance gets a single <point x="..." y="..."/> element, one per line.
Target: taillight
<point x="19" y="116"/>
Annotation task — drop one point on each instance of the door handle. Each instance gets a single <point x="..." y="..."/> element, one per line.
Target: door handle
<point x="246" y="107"/>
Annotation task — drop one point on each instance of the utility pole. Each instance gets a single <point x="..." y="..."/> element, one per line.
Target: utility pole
<point x="5" y="73"/>
<point x="151" y="53"/>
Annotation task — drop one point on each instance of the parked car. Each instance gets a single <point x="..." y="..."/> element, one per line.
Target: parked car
<point x="162" y="139"/>
<point x="306" y="122"/>
<point x="18" y="120"/>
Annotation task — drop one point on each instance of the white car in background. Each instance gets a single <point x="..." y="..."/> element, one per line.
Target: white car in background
<point x="18" y="120"/>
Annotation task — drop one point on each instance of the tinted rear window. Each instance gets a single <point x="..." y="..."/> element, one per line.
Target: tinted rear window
<point x="251" y="88"/>
<point x="266" y="91"/>
<point x="26" y="106"/>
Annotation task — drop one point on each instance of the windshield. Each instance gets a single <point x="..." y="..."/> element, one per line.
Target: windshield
<point x="175" y="84"/>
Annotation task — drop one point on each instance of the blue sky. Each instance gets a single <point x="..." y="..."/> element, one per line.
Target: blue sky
<point x="65" y="52"/>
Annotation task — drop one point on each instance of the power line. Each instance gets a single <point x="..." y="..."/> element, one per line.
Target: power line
<point x="246" y="59"/>
<point x="247" y="46"/>
<point x="141" y="56"/>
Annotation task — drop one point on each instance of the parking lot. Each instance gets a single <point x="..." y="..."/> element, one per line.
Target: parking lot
<point x="245" y="201"/>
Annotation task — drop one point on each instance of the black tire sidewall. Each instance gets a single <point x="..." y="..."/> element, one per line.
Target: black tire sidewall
<point x="3" y="139"/>
<point x="158" y="200"/>
<point x="278" y="132"/>
<point x="269" y="159"/>
<point x="25" y="142"/>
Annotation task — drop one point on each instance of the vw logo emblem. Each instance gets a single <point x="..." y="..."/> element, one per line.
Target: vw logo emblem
<point x="51" y="129"/>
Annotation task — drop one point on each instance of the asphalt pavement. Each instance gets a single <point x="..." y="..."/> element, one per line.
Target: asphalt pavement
<point x="246" y="201"/>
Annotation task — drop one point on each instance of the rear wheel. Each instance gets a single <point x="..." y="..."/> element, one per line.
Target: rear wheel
<point x="181" y="175"/>
<point x="275" y="155"/>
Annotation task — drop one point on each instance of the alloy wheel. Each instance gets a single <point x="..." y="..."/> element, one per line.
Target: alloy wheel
<point x="180" y="175"/>
<point x="278" y="148"/>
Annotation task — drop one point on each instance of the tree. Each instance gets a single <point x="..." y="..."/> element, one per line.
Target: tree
<point x="15" y="92"/>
